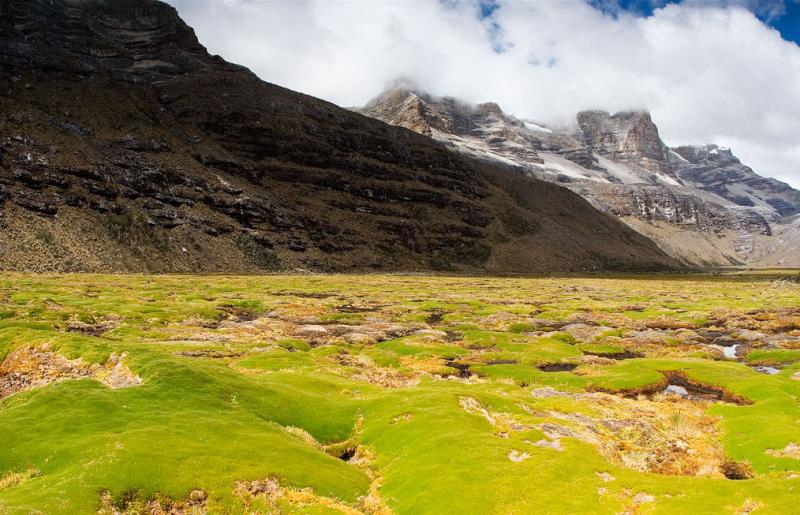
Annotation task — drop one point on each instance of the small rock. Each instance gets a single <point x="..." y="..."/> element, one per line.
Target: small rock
<point x="549" y="444"/>
<point x="359" y="339"/>
<point x="650" y="336"/>
<point x="547" y="392"/>
<point x="771" y="371"/>
<point x="750" y="336"/>
<point x="517" y="456"/>
<point x="605" y="476"/>
<point x="585" y="332"/>
<point x="310" y="331"/>
<point x="674" y="389"/>
<point x="432" y="333"/>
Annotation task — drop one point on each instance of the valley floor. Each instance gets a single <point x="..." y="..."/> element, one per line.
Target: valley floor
<point x="399" y="394"/>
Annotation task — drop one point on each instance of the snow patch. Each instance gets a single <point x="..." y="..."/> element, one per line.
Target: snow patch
<point x="534" y="127"/>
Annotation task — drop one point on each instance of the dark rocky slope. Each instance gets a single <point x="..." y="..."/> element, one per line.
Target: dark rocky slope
<point x="718" y="171"/>
<point x="124" y="146"/>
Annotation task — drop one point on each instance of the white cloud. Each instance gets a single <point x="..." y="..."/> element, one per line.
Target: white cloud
<point x="707" y="73"/>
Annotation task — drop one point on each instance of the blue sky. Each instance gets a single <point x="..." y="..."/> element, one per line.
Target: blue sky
<point x="789" y="23"/>
<point x="782" y="15"/>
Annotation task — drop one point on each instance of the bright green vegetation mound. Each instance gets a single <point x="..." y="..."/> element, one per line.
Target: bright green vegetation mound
<point x="391" y="394"/>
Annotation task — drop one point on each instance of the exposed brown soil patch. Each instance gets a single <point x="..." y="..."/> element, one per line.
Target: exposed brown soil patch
<point x="737" y="470"/>
<point x="96" y="327"/>
<point x="239" y="314"/>
<point x="304" y="294"/>
<point x="351" y="308"/>
<point x="665" y="322"/>
<point x="362" y="368"/>
<point x="131" y="503"/>
<point x="33" y="367"/>
<point x="503" y="423"/>
<point x="17" y="478"/>
<point x="666" y="435"/>
<point x="435" y="317"/>
<point x="211" y="353"/>
<point x="792" y="450"/>
<point x="280" y="499"/>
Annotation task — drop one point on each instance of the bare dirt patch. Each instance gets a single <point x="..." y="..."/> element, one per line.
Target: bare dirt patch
<point x="667" y="435"/>
<point x="211" y="353"/>
<point x="17" y="478"/>
<point x="131" y="503"/>
<point x="280" y="499"/>
<point x="503" y="423"/>
<point x="362" y="368"/>
<point x="33" y="367"/>
<point x="792" y="450"/>
<point x="96" y="327"/>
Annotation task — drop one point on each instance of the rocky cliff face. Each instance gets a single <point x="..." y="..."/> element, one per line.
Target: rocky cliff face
<point x="140" y="40"/>
<point x="718" y="171"/>
<point x="620" y="164"/>
<point x="627" y="137"/>
<point x="482" y="131"/>
<point x="125" y="146"/>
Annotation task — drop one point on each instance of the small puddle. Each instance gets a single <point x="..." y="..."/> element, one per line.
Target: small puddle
<point x="771" y="371"/>
<point x="730" y="352"/>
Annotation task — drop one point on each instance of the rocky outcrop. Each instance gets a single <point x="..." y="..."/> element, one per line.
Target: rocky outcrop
<point x="482" y="131"/>
<point x="629" y="136"/>
<point x="125" y="146"/>
<point x="716" y="170"/>
<point x="677" y="206"/>
<point x="620" y="164"/>
<point x="139" y="40"/>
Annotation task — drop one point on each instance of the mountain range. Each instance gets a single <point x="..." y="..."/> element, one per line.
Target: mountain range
<point x="700" y="204"/>
<point x="126" y="146"/>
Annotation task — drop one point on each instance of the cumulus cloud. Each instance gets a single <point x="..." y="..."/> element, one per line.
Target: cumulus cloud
<point x="709" y="73"/>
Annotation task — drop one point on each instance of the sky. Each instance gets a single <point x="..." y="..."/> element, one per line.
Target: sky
<point x="712" y="71"/>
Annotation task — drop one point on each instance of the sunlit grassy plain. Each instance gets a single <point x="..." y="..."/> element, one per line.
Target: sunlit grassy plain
<point x="221" y="404"/>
